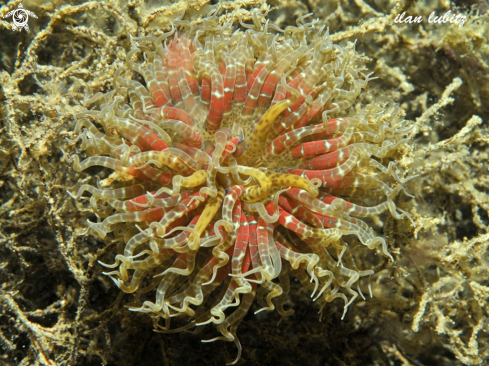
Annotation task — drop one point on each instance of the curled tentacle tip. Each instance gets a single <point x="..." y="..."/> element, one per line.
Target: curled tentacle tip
<point x="75" y="197"/>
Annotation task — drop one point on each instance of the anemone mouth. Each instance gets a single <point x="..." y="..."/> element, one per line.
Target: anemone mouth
<point x="239" y="162"/>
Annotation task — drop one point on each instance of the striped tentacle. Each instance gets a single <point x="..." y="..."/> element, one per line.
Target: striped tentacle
<point x="157" y="91"/>
<point x="216" y="106"/>
<point x="286" y="58"/>
<point x="294" y="208"/>
<point x="172" y="113"/>
<point x="240" y="87"/>
<point x="255" y="84"/>
<point x="172" y="158"/>
<point x="312" y="74"/>
<point x="230" y="77"/>
<point x="188" y="65"/>
<point x="173" y="62"/>
<point x="136" y="89"/>
<point x="192" y="137"/>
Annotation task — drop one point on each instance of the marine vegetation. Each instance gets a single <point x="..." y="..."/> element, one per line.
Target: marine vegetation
<point x="241" y="157"/>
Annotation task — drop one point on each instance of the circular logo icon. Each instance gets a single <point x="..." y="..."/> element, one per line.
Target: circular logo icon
<point x="20" y="16"/>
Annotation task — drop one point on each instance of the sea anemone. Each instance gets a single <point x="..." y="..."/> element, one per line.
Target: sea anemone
<point x="239" y="160"/>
